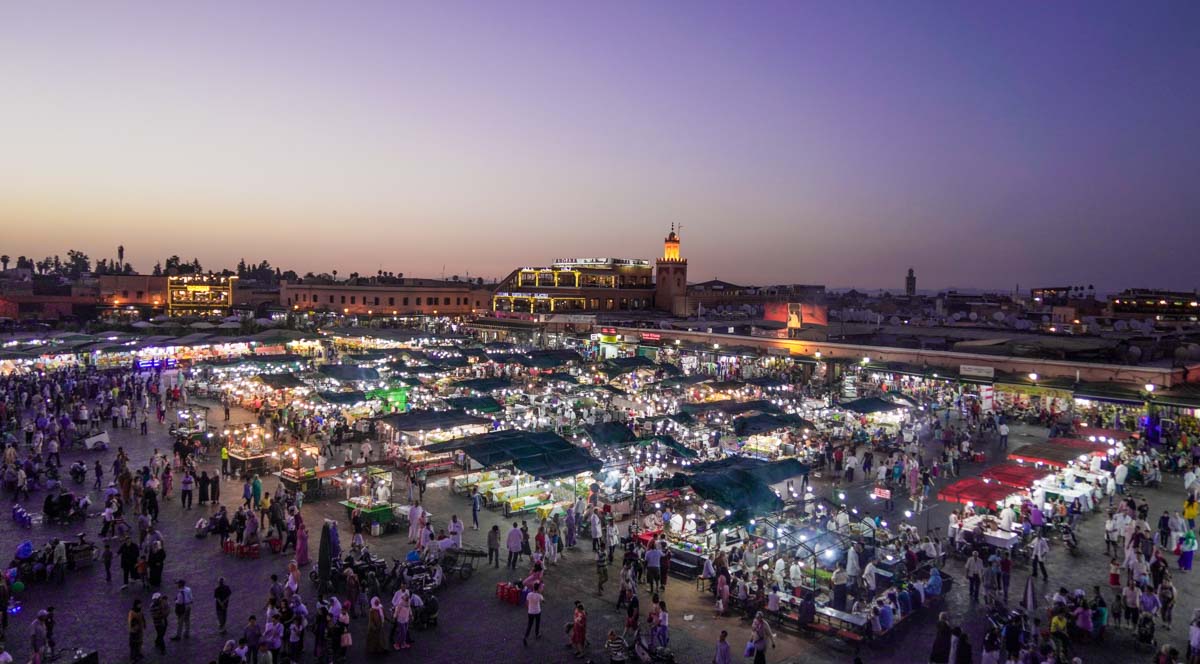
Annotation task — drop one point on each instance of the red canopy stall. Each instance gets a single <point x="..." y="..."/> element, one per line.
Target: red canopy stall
<point x="972" y="491"/>
<point x="1015" y="475"/>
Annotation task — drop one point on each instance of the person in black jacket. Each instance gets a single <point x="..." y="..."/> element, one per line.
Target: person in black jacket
<point x="940" y="654"/>
<point x="129" y="557"/>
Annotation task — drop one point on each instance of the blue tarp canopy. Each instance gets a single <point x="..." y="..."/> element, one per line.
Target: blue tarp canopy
<point x="621" y="365"/>
<point x="280" y="381"/>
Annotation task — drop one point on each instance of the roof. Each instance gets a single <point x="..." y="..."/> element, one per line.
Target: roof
<point x="544" y="455"/>
<point x="481" y="404"/>
<point x="430" y="420"/>
<point x="344" y="372"/>
<point x="484" y="384"/>
<point x="609" y="433"/>
<point x="868" y="405"/>
<point x="343" y="398"/>
<point x="766" y="422"/>
<point x="621" y="365"/>
<point x="280" y="381"/>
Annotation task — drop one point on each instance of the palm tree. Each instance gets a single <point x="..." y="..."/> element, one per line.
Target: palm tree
<point x="4" y="261"/>
<point x="120" y="255"/>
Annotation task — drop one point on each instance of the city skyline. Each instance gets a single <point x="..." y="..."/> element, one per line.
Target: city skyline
<point x="983" y="146"/>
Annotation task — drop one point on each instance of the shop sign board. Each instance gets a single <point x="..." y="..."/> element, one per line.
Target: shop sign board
<point x="976" y="371"/>
<point x="882" y="493"/>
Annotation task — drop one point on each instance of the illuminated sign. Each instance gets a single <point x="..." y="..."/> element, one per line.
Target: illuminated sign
<point x="651" y="336"/>
<point x="608" y="330"/>
<point x="199" y="289"/>
<point x="151" y="365"/>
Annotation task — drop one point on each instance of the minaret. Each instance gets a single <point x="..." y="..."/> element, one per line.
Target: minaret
<point x="670" y="276"/>
<point x="910" y="283"/>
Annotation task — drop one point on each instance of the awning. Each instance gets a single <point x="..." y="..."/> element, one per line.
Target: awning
<point x="1015" y="475"/>
<point x="484" y="384"/>
<point x="609" y="433"/>
<point x="347" y="373"/>
<point x="869" y="405"/>
<point x="284" y="381"/>
<point x="432" y="420"/>
<point x="974" y="491"/>
<point x="343" y="398"/>
<point x="480" y="404"/>
<point x="751" y="425"/>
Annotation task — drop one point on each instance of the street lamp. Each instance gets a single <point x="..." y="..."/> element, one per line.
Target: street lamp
<point x="1033" y="376"/>
<point x="1149" y="387"/>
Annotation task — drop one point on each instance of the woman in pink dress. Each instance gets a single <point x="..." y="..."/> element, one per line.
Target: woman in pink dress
<point x="302" y="545"/>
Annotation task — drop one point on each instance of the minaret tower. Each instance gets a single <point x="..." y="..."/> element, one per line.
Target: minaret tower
<point x="670" y="276"/>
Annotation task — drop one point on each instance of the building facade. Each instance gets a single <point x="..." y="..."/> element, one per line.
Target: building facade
<point x="1156" y="304"/>
<point x="577" y="284"/>
<point x="401" y="297"/>
<point x="200" y="295"/>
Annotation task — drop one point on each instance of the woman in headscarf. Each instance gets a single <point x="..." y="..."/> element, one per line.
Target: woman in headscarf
<point x="934" y="587"/>
<point x="301" y="544"/>
<point x="579" y="630"/>
<point x="376" y="638"/>
<point x="1187" y="549"/>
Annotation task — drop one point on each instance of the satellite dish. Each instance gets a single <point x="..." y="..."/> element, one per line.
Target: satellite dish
<point x="894" y="320"/>
<point x="973" y="316"/>
<point x="998" y="316"/>
<point x="957" y="316"/>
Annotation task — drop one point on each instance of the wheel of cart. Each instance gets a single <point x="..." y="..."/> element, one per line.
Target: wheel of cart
<point x="464" y="561"/>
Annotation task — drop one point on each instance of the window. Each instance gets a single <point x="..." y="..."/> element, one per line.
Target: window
<point x="477" y="304"/>
<point x="331" y="299"/>
<point x="445" y="300"/>
<point x="391" y="301"/>
<point x="405" y="301"/>
<point x="377" y="300"/>
<point x="140" y="294"/>
<point x="352" y="298"/>
<point x="125" y="294"/>
<point x="418" y="301"/>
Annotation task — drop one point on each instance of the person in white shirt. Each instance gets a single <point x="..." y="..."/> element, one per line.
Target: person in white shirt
<point x="533" y="604"/>
<point x="455" y="530"/>
<point x="869" y="579"/>
<point x="1189" y="479"/>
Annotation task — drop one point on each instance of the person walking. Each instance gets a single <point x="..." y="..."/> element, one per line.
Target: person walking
<point x="974" y="569"/>
<point x="513" y="544"/>
<point x="579" y="630"/>
<point x="616" y="648"/>
<point x="476" y="503"/>
<point x="760" y="634"/>
<point x="402" y="614"/>
<point x="185" y="489"/>
<point x="1037" y="552"/>
<point x="722" y="655"/>
<point x="136" y="624"/>
<point x="601" y="569"/>
<point x="221" y="596"/>
<point x="183" y="611"/>
<point x="159" y="614"/>
<point x="533" y="604"/>
<point x="493" y="546"/>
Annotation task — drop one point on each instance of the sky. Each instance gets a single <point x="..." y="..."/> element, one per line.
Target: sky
<point x="984" y="144"/>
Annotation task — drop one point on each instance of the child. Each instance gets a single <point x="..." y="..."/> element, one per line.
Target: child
<point x="1114" y="573"/>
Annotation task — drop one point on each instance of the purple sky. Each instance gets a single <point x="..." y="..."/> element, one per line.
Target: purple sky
<point x="984" y="144"/>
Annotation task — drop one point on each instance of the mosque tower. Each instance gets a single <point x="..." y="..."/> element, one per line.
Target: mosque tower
<point x="670" y="276"/>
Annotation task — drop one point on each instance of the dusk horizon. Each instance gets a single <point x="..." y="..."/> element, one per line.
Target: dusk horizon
<point x="832" y="145"/>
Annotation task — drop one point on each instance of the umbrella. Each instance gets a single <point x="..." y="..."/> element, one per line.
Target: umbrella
<point x="201" y="325"/>
<point x="142" y="325"/>
<point x="229" y="326"/>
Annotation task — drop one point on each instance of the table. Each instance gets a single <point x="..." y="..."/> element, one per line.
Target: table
<point x="247" y="464"/>
<point x="377" y="513"/>
<point x="840" y="619"/>
<point x="998" y="538"/>
<point x="1050" y="487"/>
